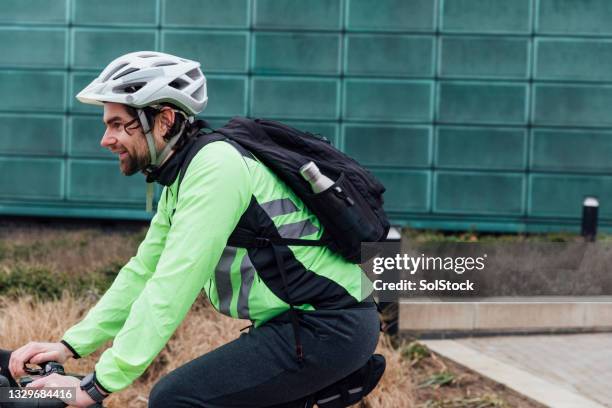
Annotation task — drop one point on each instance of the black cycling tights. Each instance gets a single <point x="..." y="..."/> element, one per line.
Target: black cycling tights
<point x="259" y="368"/>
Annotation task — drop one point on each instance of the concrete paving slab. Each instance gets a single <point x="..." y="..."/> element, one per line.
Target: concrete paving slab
<point x="573" y="370"/>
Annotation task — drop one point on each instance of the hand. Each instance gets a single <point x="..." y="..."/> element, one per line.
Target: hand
<point x="35" y="352"/>
<point x="82" y="399"/>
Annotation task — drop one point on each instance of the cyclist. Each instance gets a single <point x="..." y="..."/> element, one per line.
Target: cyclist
<point x="150" y="102"/>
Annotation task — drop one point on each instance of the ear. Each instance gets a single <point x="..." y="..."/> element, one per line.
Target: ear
<point x="166" y="119"/>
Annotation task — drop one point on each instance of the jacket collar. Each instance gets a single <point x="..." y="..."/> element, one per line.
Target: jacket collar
<point x="167" y="173"/>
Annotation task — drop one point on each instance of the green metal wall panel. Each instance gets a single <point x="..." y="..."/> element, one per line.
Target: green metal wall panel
<point x="572" y="105"/>
<point x="114" y="13"/>
<point x="100" y="181"/>
<point x="210" y="48"/>
<point x="486" y="16"/>
<point x="295" y="98"/>
<point x="561" y="195"/>
<point x="401" y="55"/>
<point x="16" y="47"/>
<point x="32" y="91"/>
<point x="478" y="57"/>
<point x="481" y="148"/>
<point x="296" y="53"/>
<point x="479" y="193"/>
<point x="573" y="59"/>
<point x="209" y="13"/>
<point x="34" y="12"/>
<point x="388" y="100"/>
<point x="391" y="15"/>
<point x="31" y="179"/>
<point x="492" y="103"/>
<point x="232" y="94"/>
<point x="32" y="135"/>
<point x="408" y="191"/>
<point x="489" y="114"/>
<point x="572" y="17"/>
<point x="565" y="150"/>
<point x="297" y="14"/>
<point x="398" y="146"/>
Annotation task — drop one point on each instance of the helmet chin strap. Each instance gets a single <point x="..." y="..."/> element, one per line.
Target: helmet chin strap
<point x="157" y="158"/>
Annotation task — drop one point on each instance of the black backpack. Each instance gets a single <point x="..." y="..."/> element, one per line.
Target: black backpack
<point x="351" y="211"/>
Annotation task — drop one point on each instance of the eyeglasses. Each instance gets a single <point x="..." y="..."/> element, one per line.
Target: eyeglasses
<point x="128" y="126"/>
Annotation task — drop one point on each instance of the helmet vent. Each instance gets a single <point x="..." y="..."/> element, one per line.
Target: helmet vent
<point x="114" y="71"/>
<point x="127" y="71"/>
<point x="198" y="94"/>
<point x="129" y="88"/>
<point x="179" y="83"/>
<point x="194" y="74"/>
<point x="164" y="64"/>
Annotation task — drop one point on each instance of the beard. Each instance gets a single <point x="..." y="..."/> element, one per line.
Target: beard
<point x="133" y="163"/>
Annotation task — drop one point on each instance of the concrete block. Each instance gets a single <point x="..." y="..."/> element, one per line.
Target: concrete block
<point x="436" y="316"/>
<point x="598" y="315"/>
<point x="496" y="316"/>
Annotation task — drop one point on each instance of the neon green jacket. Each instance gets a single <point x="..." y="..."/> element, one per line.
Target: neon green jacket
<point x="185" y="250"/>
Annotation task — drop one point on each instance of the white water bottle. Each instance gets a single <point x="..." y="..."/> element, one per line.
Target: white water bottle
<point x="318" y="182"/>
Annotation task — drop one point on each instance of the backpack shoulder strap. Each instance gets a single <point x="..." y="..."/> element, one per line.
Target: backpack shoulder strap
<point x="202" y="141"/>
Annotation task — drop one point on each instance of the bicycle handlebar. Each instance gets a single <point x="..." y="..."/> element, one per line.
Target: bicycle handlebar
<point x="46" y="369"/>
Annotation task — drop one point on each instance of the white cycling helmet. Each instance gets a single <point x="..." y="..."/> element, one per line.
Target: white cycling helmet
<point x="148" y="78"/>
<point x="145" y="78"/>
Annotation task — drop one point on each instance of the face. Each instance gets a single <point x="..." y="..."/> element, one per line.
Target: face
<point x="131" y="148"/>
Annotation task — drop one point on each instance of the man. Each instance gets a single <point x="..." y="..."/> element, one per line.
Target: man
<point x="150" y="100"/>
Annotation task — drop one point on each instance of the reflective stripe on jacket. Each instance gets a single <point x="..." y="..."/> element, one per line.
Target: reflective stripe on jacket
<point x="185" y="251"/>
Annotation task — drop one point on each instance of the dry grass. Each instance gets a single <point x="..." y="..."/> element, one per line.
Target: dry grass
<point x="27" y="319"/>
<point x="70" y="250"/>
<point x="43" y="260"/>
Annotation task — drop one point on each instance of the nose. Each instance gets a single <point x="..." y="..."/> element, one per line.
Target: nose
<point x="107" y="140"/>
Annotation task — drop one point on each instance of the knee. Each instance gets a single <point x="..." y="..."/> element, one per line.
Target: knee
<point x="161" y="394"/>
<point x="172" y="391"/>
